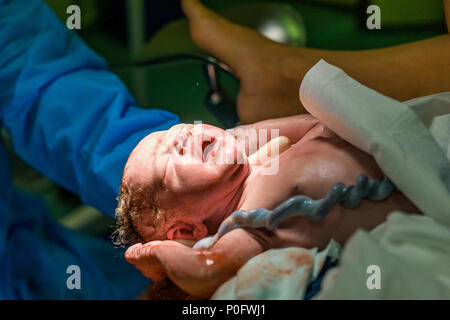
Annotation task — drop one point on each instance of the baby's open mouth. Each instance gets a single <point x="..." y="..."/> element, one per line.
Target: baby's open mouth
<point x="207" y="149"/>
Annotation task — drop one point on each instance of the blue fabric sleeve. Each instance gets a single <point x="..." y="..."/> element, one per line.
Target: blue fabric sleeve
<point x="68" y="116"/>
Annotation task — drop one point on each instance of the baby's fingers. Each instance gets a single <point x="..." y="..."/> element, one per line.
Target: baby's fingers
<point x="143" y="257"/>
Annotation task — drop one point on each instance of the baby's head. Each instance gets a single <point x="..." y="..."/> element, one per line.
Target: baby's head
<point x="179" y="184"/>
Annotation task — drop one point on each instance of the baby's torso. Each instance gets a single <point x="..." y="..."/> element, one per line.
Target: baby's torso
<point x="310" y="167"/>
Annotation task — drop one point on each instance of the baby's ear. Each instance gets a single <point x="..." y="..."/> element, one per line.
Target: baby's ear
<point x="187" y="230"/>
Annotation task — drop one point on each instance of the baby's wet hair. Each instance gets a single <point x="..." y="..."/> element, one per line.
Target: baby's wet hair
<point x="133" y="199"/>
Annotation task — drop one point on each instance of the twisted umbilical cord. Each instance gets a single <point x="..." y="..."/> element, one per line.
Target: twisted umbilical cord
<point x="349" y="196"/>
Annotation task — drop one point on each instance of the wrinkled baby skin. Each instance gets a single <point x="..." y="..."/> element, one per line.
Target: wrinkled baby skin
<point x="201" y="171"/>
<point x="199" y="193"/>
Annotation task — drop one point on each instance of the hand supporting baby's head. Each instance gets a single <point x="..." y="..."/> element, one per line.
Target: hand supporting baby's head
<point x="179" y="184"/>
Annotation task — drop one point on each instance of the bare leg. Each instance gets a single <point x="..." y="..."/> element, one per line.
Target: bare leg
<point x="255" y="59"/>
<point x="271" y="73"/>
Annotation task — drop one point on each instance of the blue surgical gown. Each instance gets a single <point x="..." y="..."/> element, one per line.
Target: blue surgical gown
<point x="75" y="122"/>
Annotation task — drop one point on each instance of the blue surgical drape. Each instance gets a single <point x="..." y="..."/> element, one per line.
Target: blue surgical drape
<point x="75" y="122"/>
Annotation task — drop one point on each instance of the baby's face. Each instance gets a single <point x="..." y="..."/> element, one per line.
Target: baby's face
<point x="197" y="167"/>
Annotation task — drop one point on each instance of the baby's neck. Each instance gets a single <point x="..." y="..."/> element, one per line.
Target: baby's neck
<point x="229" y="203"/>
<point x="258" y="190"/>
<point x="238" y="199"/>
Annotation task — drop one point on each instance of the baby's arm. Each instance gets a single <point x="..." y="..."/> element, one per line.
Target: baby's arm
<point x="293" y="127"/>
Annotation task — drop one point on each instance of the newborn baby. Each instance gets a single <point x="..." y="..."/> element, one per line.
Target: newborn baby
<point x="177" y="193"/>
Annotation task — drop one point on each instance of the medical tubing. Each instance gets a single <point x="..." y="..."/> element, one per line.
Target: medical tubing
<point x="301" y="205"/>
<point x="176" y="58"/>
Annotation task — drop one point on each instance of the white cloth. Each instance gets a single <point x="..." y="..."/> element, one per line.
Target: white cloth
<point x="412" y="253"/>
<point x="434" y="111"/>
<point x="277" y="274"/>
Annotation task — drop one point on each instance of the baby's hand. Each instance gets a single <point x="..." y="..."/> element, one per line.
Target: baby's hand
<point x="270" y="150"/>
<point x="143" y="258"/>
<point x="198" y="272"/>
